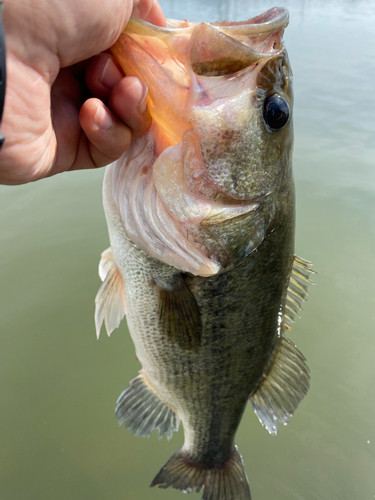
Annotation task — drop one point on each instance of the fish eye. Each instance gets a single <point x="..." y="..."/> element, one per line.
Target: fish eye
<point x="276" y="112"/>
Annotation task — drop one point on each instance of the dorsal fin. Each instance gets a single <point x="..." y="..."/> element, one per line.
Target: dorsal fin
<point x="105" y="264"/>
<point x="288" y="377"/>
<point x="283" y="387"/>
<point x="297" y="293"/>
<point x="110" y="304"/>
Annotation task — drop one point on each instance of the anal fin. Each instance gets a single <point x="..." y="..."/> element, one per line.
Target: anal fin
<point x="283" y="388"/>
<point x="142" y="411"/>
<point x="179" y="315"/>
<point x="110" y="304"/>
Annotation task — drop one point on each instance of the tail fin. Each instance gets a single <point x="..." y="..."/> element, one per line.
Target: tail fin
<point x="225" y="482"/>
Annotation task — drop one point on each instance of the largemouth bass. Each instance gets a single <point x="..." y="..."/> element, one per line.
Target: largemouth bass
<point x="200" y="213"/>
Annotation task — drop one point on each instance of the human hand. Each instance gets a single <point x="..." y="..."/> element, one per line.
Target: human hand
<point x="49" y="124"/>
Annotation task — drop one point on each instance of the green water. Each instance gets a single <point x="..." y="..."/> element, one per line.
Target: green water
<point x="59" y="439"/>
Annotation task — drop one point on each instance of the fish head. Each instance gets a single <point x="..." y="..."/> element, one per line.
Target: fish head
<point x="241" y="106"/>
<point x="220" y="95"/>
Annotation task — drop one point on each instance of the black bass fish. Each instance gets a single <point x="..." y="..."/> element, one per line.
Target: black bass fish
<point x="200" y="213"/>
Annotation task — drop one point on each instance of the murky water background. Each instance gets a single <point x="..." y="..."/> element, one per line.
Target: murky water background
<point x="58" y="385"/>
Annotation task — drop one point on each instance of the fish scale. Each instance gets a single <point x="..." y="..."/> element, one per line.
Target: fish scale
<point x="200" y="214"/>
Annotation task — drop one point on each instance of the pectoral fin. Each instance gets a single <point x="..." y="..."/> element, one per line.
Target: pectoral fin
<point x="110" y="300"/>
<point x="179" y="316"/>
<point x="140" y="408"/>
<point x="283" y="388"/>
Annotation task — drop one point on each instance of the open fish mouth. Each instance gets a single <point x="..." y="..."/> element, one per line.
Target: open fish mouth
<point x="177" y="58"/>
<point x="223" y="48"/>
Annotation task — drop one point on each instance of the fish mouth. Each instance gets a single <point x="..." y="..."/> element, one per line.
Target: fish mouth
<point x="208" y="49"/>
<point x="219" y="48"/>
<point x="225" y="48"/>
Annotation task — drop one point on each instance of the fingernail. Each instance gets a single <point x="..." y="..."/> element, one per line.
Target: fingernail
<point x="103" y="118"/>
<point x="111" y="75"/>
<point x="142" y="106"/>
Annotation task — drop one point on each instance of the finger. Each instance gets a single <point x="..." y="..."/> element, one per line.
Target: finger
<point x="150" y="11"/>
<point x="108" y="137"/>
<point x="128" y="101"/>
<point x="65" y="104"/>
<point x="103" y="73"/>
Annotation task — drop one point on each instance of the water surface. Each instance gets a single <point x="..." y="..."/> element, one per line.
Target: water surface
<point x="59" y="438"/>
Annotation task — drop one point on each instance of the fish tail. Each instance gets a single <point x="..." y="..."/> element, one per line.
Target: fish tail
<point x="227" y="481"/>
